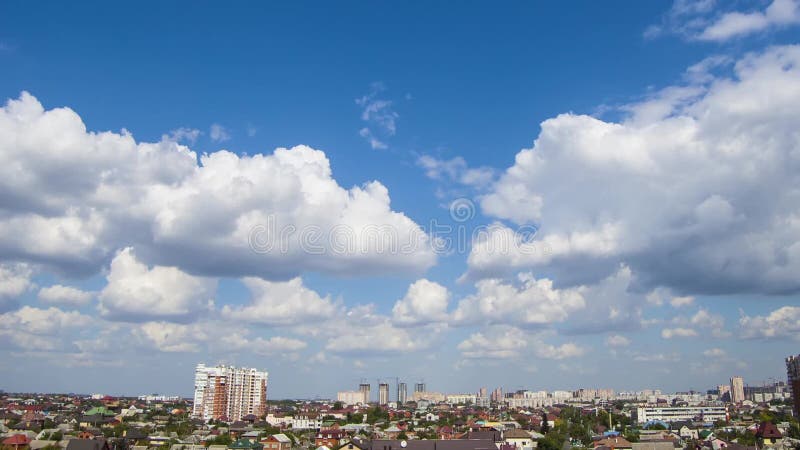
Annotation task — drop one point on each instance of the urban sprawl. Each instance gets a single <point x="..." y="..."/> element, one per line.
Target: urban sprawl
<point x="230" y="411"/>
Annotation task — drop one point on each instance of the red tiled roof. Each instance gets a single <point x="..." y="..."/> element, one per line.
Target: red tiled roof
<point x="17" y="439"/>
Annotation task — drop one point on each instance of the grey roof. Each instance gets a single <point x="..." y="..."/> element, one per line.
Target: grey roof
<point x="653" y="445"/>
<point x="85" y="444"/>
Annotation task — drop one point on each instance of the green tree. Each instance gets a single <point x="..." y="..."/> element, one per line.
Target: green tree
<point x="545" y="424"/>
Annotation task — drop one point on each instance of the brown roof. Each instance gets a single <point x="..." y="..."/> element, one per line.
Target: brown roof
<point x="768" y="430"/>
<point x="613" y="442"/>
<point x="516" y="434"/>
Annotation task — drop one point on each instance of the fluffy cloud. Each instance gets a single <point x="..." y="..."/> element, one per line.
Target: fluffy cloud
<point x="425" y="302"/>
<point x="676" y="194"/>
<point x="172" y="337"/>
<point x="779" y="13"/>
<point x="32" y="328"/>
<point x="15" y="280"/>
<point x="276" y="345"/>
<point x="218" y="133"/>
<point x="73" y="198"/>
<point x="184" y="134"/>
<point x="281" y="304"/>
<point x="508" y="342"/>
<point x="529" y="302"/>
<point x="455" y="170"/>
<point x="65" y="295"/>
<point x="135" y="292"/>
<point x="563" y="351"/>
<point x="669" y="333"/>
<point x="781" y="323"/>
<point x="678" y="302"/>
<point x="503" y="343"/>
<point x="617" y="340"/>
<point x="363" y="332"/>
<point x="701" y="21"/>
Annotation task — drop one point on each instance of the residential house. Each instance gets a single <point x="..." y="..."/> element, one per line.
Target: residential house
<point x="330" y="437"/>
<point x="277" y="442"/>
<point x="87" y="444"/>
<point x="614" y="443"/>
<point x="518" y="438"/>
<point x="244" y="444"/>
<point x="17" y="442"/>
<point x="768" y="433"/>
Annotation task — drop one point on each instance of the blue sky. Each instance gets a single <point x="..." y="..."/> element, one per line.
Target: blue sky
<point x="660" y="179"/>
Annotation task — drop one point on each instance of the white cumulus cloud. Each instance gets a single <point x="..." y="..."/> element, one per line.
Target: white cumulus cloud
<point x="676" y="196"/>
<point x="136" y="292"/>
<point x="281" y="304"/>
<point x="65" y="295"/>
<point x="74" y="197"/>
<point x="425" y="302"/>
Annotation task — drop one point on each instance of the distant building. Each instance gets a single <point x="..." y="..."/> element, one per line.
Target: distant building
<point x="793" y="380"/>
<point x="229" y="392"/>
<point x="383" y="393"/>
<point x="364" y="387"/>
<point x="680" y="413"/>
<point x="352" y="397"/>
<point x="432" y="397"/>
<point x="420" y="387"/>
<point x="737" y="390"/>
<point x="497" y="395"/>
<point x="402" y="393"/>
<point x="277" y="442"/>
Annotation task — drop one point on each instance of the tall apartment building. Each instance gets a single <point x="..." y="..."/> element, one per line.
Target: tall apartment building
<point x="737" y="390"/>
<point x="497" y="395"/>
<point x="383" y="393"/>
<point x="226" y="391"/>
<point x="402" y="393"/>
<point x="793" y="380"/>
<point x="364" y="387"/>
<point x="420" y="387"/>
<point x="352" y="397"/>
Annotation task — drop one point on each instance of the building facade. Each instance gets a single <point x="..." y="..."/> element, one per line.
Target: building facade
<point x="365" y="388"/>
<point x="230" y="392"/>
<point x="680" y="413"/>
<point x="383" y="393"/>
<point x="793" y="381"/>
<point x="352" y="397"/>
<point x="737" y="389"/>
<point x="402" y="393"/>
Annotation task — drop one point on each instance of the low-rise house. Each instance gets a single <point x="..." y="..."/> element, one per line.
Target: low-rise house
<point x="244" y="444"/>
<point x="653" y="445"/>
<point x="614" y="443"/>
<point x="768" y="433"/>
<point x="17" y="442"/>
<point x="518" y="438"/>
<point x="331" y="437"/>
<point x="87" y="444"/>
<point x="277" y="442"/>
<point x="252" y="435"/>
<point x="38" y="444"/>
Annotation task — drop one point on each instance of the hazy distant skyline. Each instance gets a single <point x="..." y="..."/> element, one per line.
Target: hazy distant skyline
<point x="579" y="196"/>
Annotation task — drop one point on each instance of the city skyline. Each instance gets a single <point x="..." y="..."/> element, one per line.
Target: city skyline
<point x="524" y="196"/>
